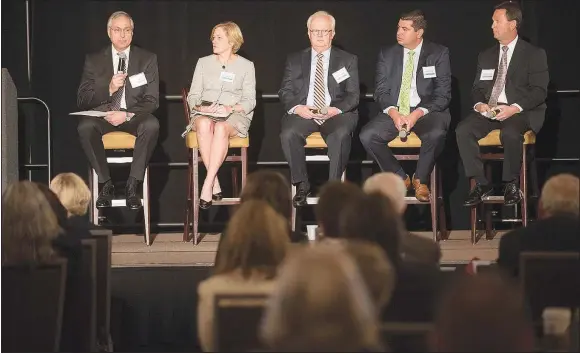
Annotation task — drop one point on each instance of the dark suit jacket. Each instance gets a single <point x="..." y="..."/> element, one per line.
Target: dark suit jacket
<point x="93" y="92"/>
<point x="435" y="93"/>
<point x="526" y="80"/>
<point x="557" y="233"/>
<point x="296" y="80"/>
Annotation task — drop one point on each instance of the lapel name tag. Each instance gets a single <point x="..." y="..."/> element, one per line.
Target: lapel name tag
<point x="429" y="72"/>
<point x="340" y="75"/>
<point x="487" y="74"/>
<point x="138" y="80"/>
<point x="227" y="77"/>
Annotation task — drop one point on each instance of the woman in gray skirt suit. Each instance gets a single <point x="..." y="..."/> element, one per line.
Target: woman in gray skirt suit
<point x="223" y="84"/>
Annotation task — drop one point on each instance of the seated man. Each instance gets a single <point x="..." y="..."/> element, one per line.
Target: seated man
<point x="510" y="88"/>
<point x="557" y="227"/>
<point x="121" y="80"/>
<point x="413" y="90"/>
<point x="320" y="92"/>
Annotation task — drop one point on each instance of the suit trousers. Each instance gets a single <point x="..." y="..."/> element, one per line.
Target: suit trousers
<point x="431" y="129"/>
<point x="475" y="127"/>
<point x="144" y="126"/>
<point x="336" y="132"/>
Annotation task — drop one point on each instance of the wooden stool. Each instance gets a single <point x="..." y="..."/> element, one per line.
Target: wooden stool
<point x="313" y="141"/>
<point x="121" y="141"/>
<point x="438" y="222"/>
<point x="192" y="204"/>
<point x="492" y="140"/>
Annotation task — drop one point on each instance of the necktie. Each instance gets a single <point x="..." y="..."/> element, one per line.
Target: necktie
<point x="319" y="92"/>
<point x="118" y="95"/>
<point x="500" y="79"/>
<point x="404" y="100"/>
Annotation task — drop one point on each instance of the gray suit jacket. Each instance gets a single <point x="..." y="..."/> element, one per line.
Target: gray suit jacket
<point x="296" y="81"/>
<point x="93" y="92"/>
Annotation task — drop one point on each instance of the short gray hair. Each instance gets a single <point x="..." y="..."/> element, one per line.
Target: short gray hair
<point x="389" y="185"/>
<point x="561" y="194"/>
<point x="119" y="14"/>
<point x="321" y="13"/>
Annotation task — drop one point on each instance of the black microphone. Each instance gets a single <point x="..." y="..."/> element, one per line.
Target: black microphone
<point x="223" y="67"/>
<point x="122" y="58"/>
<point x="403" y="133"/>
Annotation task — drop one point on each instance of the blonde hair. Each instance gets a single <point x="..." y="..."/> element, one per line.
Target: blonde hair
<point x="29" y="225"/>
<point x="233" y="32"/>
<point x="72" y="192"/>
<point x="320" y="302"/>
<point x="389" y="185"/>
<point x="561" y="195"/>
<point x="256" y="241"/>
<point x="321" y="14"/>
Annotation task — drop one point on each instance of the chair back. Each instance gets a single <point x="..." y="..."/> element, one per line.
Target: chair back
<point x="550" y="279"/>
<point x="103" y="241"/>
<point x="406" y="337"/>
<point x="186" y="110"/>
<point x="236" y="322"/>
<point x="32" y="306"/>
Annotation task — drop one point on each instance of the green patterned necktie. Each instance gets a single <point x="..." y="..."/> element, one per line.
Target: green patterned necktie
<point x="404" y="99"/>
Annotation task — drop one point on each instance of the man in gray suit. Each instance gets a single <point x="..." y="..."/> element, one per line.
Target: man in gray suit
<point x="413" y="90"/>
<point x="121" y="80"/>
<point x="320" y="92"/>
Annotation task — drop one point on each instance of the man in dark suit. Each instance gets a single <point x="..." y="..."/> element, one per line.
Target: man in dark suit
<point x="509" y="93"/>
<point x="557" y="227"/>
<point x="121" y="80"/>
<point x="320" y="92"/>
<point x="413" y="90"/>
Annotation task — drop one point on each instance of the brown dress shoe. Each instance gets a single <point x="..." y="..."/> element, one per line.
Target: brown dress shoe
<point x="422" y="192"/>
<point x="407" y="182"/>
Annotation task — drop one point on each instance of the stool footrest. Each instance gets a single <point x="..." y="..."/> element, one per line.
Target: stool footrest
<point x="227" y="201"/>
<point x="121" y="202"/>
<point x="126" y="159"/>
<point x="317" y="158"/>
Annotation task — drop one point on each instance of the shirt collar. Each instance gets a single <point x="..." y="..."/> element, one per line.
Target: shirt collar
<point x="511" y="45"/>
<point x="416" y="50"/>
<point x="126" y="51"/>
<point x="326" y="54"/>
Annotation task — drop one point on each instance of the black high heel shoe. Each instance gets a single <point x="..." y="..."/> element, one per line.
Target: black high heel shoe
<point x="204" y="205"/>
<point x="217" y="197"/>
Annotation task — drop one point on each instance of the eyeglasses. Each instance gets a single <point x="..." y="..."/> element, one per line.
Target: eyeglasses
<point x="118" y="31"/>
<point x="321" y="32"/>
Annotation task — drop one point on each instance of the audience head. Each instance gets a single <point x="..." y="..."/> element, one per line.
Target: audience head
<point x="411" y="28"/>
<point x="29" y="225"/>
<point x="560" y="196"/>
<point x="320" y="304"/>
<point x="373" y="218"/>
<point x="507" y="19"/>
<point x="389" y="185"/>
<point x="72" y="192"/>
<point x="271" y="187"/>
<point x="485" y="313"/>
<point x="321" y="27"/>
<point x="226" y="36"/>
<point x="334" y="197"/>
<point x="120" y="28"/>
<point x="256" y="242"/>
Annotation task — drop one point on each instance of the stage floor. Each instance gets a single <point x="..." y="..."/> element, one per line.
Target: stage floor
<point x="168" y="250"/>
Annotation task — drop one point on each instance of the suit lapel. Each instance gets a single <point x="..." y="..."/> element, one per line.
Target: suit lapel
<point x="425" y="51"/>
<point x="333" y="67"/>
<point x="108" y="61"/>
<point x="495" y="61"/>
<point x="306" y="61"/>
<point x="517" y="55"/>
<point x="398" y="68"/>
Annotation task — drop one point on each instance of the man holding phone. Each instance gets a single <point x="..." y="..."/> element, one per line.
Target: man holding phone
<point x="320" y="92"/>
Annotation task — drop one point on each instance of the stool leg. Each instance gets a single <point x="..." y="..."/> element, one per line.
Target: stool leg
<point x="187" y="200"/>
<point x="293" y="209"/>
<point x="244" y="166"/>
<point x="235" y="187"/>
<point x="524" y="185"/>
<point x="473" y="217"/>
<point x="146" y="213"/>
<point x="441" y="206"/>
<point x="533" y="167"/>
<point x="433" y="202"/>
<point x="487" y="208"/>
<point x="195" y="192"/>
<point x="95" y="193"/>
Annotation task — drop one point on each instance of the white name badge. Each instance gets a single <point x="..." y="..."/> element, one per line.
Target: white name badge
<point x="487" y="74"/>
<point x="138" y="80"/>
<point x="227" y="77"/>
<point x="429" y="72"/>
<point x="340" y="75"/>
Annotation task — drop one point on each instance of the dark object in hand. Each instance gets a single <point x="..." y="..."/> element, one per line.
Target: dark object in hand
<point x="205" y="103"/>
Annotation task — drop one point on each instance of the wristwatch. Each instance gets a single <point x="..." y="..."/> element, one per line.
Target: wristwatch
<point x="127" y="116"/>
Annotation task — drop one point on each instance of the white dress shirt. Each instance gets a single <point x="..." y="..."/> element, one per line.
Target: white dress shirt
<point x="116" y="65"/>
<point x="414" y="98"/>
<point x="326" y="64"/>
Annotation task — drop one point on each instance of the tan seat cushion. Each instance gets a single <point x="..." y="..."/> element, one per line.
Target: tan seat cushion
<point x="412" y="141"/>
<point x="118" y="140"/>
<point x="315" y="140"/>
<point x="492" y="139"/>
<point x="235" y="142"/>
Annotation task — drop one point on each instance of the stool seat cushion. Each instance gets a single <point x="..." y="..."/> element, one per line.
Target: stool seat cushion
<point x="492" y="139"/>
<point x="315" y="141"/>
<point x="235" y="142"/>
<point x="118" y="140"/>
<point x="412" y="141"/>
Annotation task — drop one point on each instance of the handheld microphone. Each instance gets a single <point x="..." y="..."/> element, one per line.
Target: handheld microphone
<point x="324" y="110"/>
<point x="223" y="67"/>
<point x="122" y="67"/>
<point x="403" y="133"/>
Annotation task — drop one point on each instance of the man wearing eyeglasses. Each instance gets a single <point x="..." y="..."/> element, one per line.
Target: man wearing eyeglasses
<point x="121" y="80"/>
<point x="320" y="92"/>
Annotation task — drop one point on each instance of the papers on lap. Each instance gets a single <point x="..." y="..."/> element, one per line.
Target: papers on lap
<point x="89" y="113"/>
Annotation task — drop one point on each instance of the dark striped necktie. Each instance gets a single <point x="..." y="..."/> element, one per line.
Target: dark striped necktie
<point x="319" y="91"/>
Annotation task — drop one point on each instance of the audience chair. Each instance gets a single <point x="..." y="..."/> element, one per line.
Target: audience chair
<point x="32" y="306"/>
<point x="528" y="160"/>
<point x="103" y="241"/>
<point x="121" y="141"/>
<point x="438" y="222"/>
<point x="406" y="337"/>
<point x="313" y="141"/>
<point x="192" y="203"/>
<point x="237" y="319"/>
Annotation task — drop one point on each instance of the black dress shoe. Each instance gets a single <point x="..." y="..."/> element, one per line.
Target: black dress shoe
<point x="512" y="195"/>
<point x="133" y="200"/>
<point x="204" y="205"/>
<point x="477" y="194"/>
<point x="303" y="191"/>
<point x="106" y="196"/>
<point x="217" y="197"/>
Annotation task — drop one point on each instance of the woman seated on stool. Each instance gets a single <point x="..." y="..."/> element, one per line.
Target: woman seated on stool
<point x="223" y="84"/>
